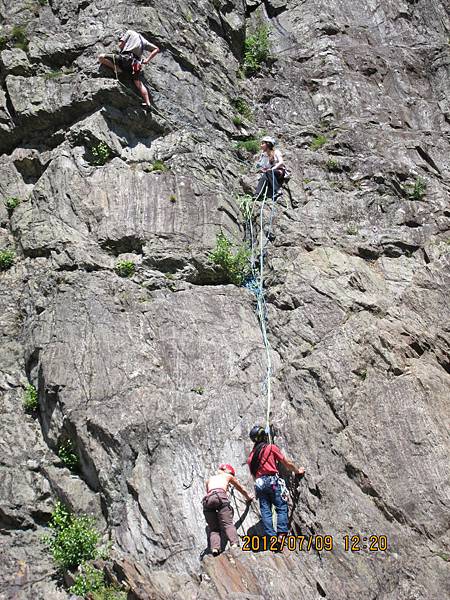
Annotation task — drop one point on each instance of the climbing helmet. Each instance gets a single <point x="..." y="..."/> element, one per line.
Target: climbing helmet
<point x="257" y="433"/>
<point x="227" y="467"/>
<point x="269" y="140"/>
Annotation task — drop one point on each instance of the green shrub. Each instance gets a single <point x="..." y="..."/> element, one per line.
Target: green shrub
<point x="100" y="154"/>
<point x="256" y="50"/>
<point x="30" y="399"/>
<point x="235" y="265"/>
<point x="12" y="202"/>
<point x="73" y="540"/>
<point x="198" y="390"/>
<point x="109" y="593"/>
<point x="172" y="198"/>
<point x="159" y="165"/>
<point x="251" y="145"/>
<point x="19" y="38"/>
<point x="237" y="120"/>
<point x="352" y="229"/>
<point x="3" y="42"/>
<point x="125" y="268"/>
<point x="6" y="259"/>
<point x="68" y="455"/>
<point x="43" y="2"/>
<point x="318" y="142"/>
<point x="89" y="580"/>
<point x="242" y="108"/>
<point x="245" y="205"/>
<point x="417" y="191"/>
<point x="333" y="165"/>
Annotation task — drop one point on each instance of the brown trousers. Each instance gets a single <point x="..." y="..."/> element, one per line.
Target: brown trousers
<point x="219" y="516"/>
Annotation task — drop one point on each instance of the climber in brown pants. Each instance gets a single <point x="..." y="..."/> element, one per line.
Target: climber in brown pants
<point x="217" y="509"/>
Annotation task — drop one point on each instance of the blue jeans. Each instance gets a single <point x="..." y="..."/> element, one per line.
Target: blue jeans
<point x="268" y="492"/>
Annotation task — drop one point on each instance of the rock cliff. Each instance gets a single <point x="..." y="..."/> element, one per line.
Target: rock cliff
<point x="157" y="377"/>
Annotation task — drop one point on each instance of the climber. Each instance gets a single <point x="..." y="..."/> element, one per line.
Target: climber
<point x="269" y="487"/>
<point x="270" y="164"/>
<point x="129" y="59"/>
<point x="217" y="509"/>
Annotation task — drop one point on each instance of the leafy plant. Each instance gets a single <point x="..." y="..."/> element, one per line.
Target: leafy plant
<point x="43" y="2"/>
<point x="172" y="198"/>
<point x="109" y="593"/>
<point x="333" y="165"/>
<point x="235" y="264"/>
<point x="100" y="154"/>
<point x="251" y="145"/>
<point x="6" y="259"/>
<point x="19" y="38"/>
<point x="242" y="108"/>
<point x="125" y="268"/>
<point x="198" y="390"/>
<point x="159" y="165"/>
<point x="73" y="540"/>
<point x="352" y="229"/>
<point x="3" y="42"/>
<point x="12" y="202"/>
<point x="246" y="206"/>
<point x="417" y="191"/>
<point x="30" y="399"/>
<point x="318" y="142"/>
<point x="237" y="120"/>
<point x="256" y="50"/>
<point x="68" y="455"/>
<point x="89" y="580"/>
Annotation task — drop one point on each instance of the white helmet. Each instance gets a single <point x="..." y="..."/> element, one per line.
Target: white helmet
<point x="269" y="140"/>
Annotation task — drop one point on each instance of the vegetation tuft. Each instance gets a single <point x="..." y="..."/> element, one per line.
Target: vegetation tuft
<point x="318" y="142"/>
<point x="125" y="268"/>
<point x="417" y="191"/>
<point x="100" y="154"/>
<point x="11" y="203"/>
<point x="159" y="165"/>
<point x="251" y="145"/>
<point x="256" y="50"/>
<point x="30" y="399"/>
<point x="73" y="540"/>
<point x="245" y="202"/>
<point x="172" y="198"/>
<point x="198" y="390"/>
<point x="234" y="261"/>
<point x="19" y="38"/>
<point x="6" y="259"/>
<point x="333" y="165"/>
<point x="68" y="455"/>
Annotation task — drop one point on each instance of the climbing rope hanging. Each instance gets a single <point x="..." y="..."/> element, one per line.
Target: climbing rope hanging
<point x="256" y="284"/>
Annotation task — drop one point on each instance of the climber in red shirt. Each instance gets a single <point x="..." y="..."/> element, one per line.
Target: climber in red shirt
<point x="270" y="489"/>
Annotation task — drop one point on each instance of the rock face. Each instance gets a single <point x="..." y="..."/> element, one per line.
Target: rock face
<point x="158" y="377"/>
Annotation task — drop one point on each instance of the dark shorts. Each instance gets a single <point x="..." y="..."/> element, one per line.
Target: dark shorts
<point x="124" y="62"/>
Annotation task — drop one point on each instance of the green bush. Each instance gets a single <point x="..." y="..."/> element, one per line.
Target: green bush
<point x="109" y="593"/>
<point x="198" y="390"/>
<point x="242" y="108"/>
<point x="333" y="165"/>
<point x="125" y="268"/>
<point x="172" y="198"/>
<point x="417" y="191"/>
<point x="159" y="165"/>
<point x="68" y="455"/>
<point x="256" y="50"/>
<point x="19" y="38"/>
<point x="3" y="42"/>
<point x="235" y="265"/>
<point x="30" y="399"/>
<point x="318" y="142"/>
<point x="89" y="580"/>
<point x="6" y="259"/>
<point x="237" y="120"/>
<point x="245" y="202"/>
<point x="100" y="154"/>
<point x="73" y="540"/>
<point x="251" y="145"/>
<point x="12" y="202"/>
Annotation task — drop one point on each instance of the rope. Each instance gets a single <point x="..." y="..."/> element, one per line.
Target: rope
<point x="256" y="285"/>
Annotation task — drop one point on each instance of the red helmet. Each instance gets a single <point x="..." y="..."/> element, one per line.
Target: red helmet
<point x="227" y="467"/>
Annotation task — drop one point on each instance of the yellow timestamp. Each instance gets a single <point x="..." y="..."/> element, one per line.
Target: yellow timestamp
<point x="317" y="543"/>
<point x="373" y="543"/>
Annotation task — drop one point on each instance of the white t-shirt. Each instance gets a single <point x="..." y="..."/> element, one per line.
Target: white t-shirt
<point x="136" y="43"/>
<point x="264" y="162"/>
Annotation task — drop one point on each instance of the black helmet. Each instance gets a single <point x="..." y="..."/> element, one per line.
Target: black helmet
<point x="257" y="433"/>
